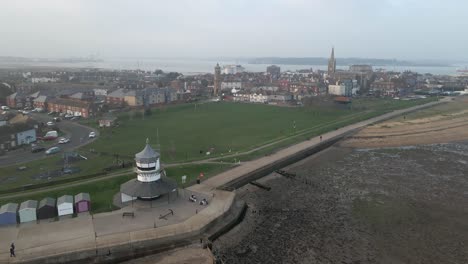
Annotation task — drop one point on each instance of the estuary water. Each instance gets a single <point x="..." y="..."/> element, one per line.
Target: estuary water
<point x="190" y="66"/>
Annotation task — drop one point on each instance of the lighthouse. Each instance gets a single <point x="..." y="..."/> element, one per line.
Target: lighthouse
<point x="150" y="182"/>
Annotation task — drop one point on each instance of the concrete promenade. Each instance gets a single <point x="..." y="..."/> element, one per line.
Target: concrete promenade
<point x="103" y="237"/>
<point x="109" y="236"/>
<point x="245" y="168"/>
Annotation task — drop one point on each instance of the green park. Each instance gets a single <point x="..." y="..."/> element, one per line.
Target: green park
<point x="192" y="139"/>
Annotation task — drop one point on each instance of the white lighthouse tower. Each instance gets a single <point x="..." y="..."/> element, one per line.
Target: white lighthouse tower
<point x="150" y="182"/>
<point x="148" y="168"/>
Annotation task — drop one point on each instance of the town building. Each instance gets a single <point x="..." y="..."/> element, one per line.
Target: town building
<point x="116" y="98"/>
<point x="150" y="96"/>
<point x="13" y="136"/>
<point x="40" y="102"/>
<point x="16" y="100"/>
<point x="151" y="182"/>
<point x="217" y="80"/>
<point x="274" y="71"/>
<point x="360" y="68"/>
<point x="107" y="121"/>
<point x="332" y="64"/>
<point x="73" y="107"/>
<point x="258" y="98"/>
<point x="232" y="69"/>
<point x="44" y="80"/>
<point x="384" y="88"/>
<point x="226" y="85"/>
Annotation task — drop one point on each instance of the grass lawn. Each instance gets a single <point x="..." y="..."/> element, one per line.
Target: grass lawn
<point x="187" y="132"/>
<point x="11" y="177"/>
<point x="102" y="191"/>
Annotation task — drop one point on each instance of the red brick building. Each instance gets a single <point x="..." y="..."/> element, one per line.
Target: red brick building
<point x="16" y="100"/>
<point x="73" y="107"/>
<point x="40" y="102"/>
<point x="116" y="98"/>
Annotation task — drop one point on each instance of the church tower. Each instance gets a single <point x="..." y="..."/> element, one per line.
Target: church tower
<point x="332" y="64"/>
<point x="217" y="80"/>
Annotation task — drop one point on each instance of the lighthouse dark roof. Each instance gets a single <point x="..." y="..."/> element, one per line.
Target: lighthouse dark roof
<point x="135" y="188"/>
<point x="147" y="153"/>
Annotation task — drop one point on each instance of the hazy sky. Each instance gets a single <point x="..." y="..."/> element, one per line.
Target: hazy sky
<point x="403" y="29"/>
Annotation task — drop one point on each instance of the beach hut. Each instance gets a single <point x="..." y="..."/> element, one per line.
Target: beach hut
<point x="8" y="214"/>
<point x="65" y="205"/>
<point x="82" y="202"/>
<point x="47" y="208"/>
<point x="27" y="211"/>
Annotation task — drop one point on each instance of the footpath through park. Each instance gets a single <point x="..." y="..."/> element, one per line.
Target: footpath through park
<point x="107" y="236"/>
<point x="248" y="167"/>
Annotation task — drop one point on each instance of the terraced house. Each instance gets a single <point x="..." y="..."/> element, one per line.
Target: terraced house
<point x="73" y="107"/>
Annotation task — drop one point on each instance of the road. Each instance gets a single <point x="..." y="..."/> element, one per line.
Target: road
<point x="249" y="166"/>
<point x="77" y="133"/>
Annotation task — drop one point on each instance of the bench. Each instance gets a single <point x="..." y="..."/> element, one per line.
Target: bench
<point x="166" y="215"/>
<point x="132" y="214"/>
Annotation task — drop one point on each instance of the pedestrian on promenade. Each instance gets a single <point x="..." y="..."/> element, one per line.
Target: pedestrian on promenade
<point x="12" y="250"/>
<point x="320" y="138"/>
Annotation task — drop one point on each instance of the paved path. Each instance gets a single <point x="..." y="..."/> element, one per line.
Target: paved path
<point x="47" y="239"/>
<point x="100" y="232"/>
<point x="250" y="166"/>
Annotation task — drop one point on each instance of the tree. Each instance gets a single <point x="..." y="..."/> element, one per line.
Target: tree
<point x="147" y="112"/>
<point x="204" y="83"/>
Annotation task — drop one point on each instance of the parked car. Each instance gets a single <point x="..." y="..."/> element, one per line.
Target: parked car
<point x="51" y="113"/>
<point x="63" y="140"/>
<point x="37" y="148"/>
<point x="57" y="119"/>
<point x="68" y="116"/>
<point x="50" y="123"/>
<point x="4" y="107"/>
<point x="52" y="150"/>
<point x="92" y="135"/>
<point x="75" y="118"/>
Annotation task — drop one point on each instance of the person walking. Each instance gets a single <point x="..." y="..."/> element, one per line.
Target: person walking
<point x="12" y="250"/>
<point x="320" y="138"/>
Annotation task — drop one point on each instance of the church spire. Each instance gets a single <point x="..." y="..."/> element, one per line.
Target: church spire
<point x="332" y="64"/>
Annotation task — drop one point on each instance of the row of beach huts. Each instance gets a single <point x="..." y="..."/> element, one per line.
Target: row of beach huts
<point x="31" y="210"/>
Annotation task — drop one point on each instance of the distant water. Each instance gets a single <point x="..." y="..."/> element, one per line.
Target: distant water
<point x="195" y="66"/>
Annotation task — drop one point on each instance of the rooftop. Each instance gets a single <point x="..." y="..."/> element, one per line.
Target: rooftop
<point x="29" y="204"/>
<point x="82" y="197"/>
<point x="147" y="153"/>
<point x="9" y="208"/>
<point x="47" y="202"/>
<point x="65" y="199"/>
